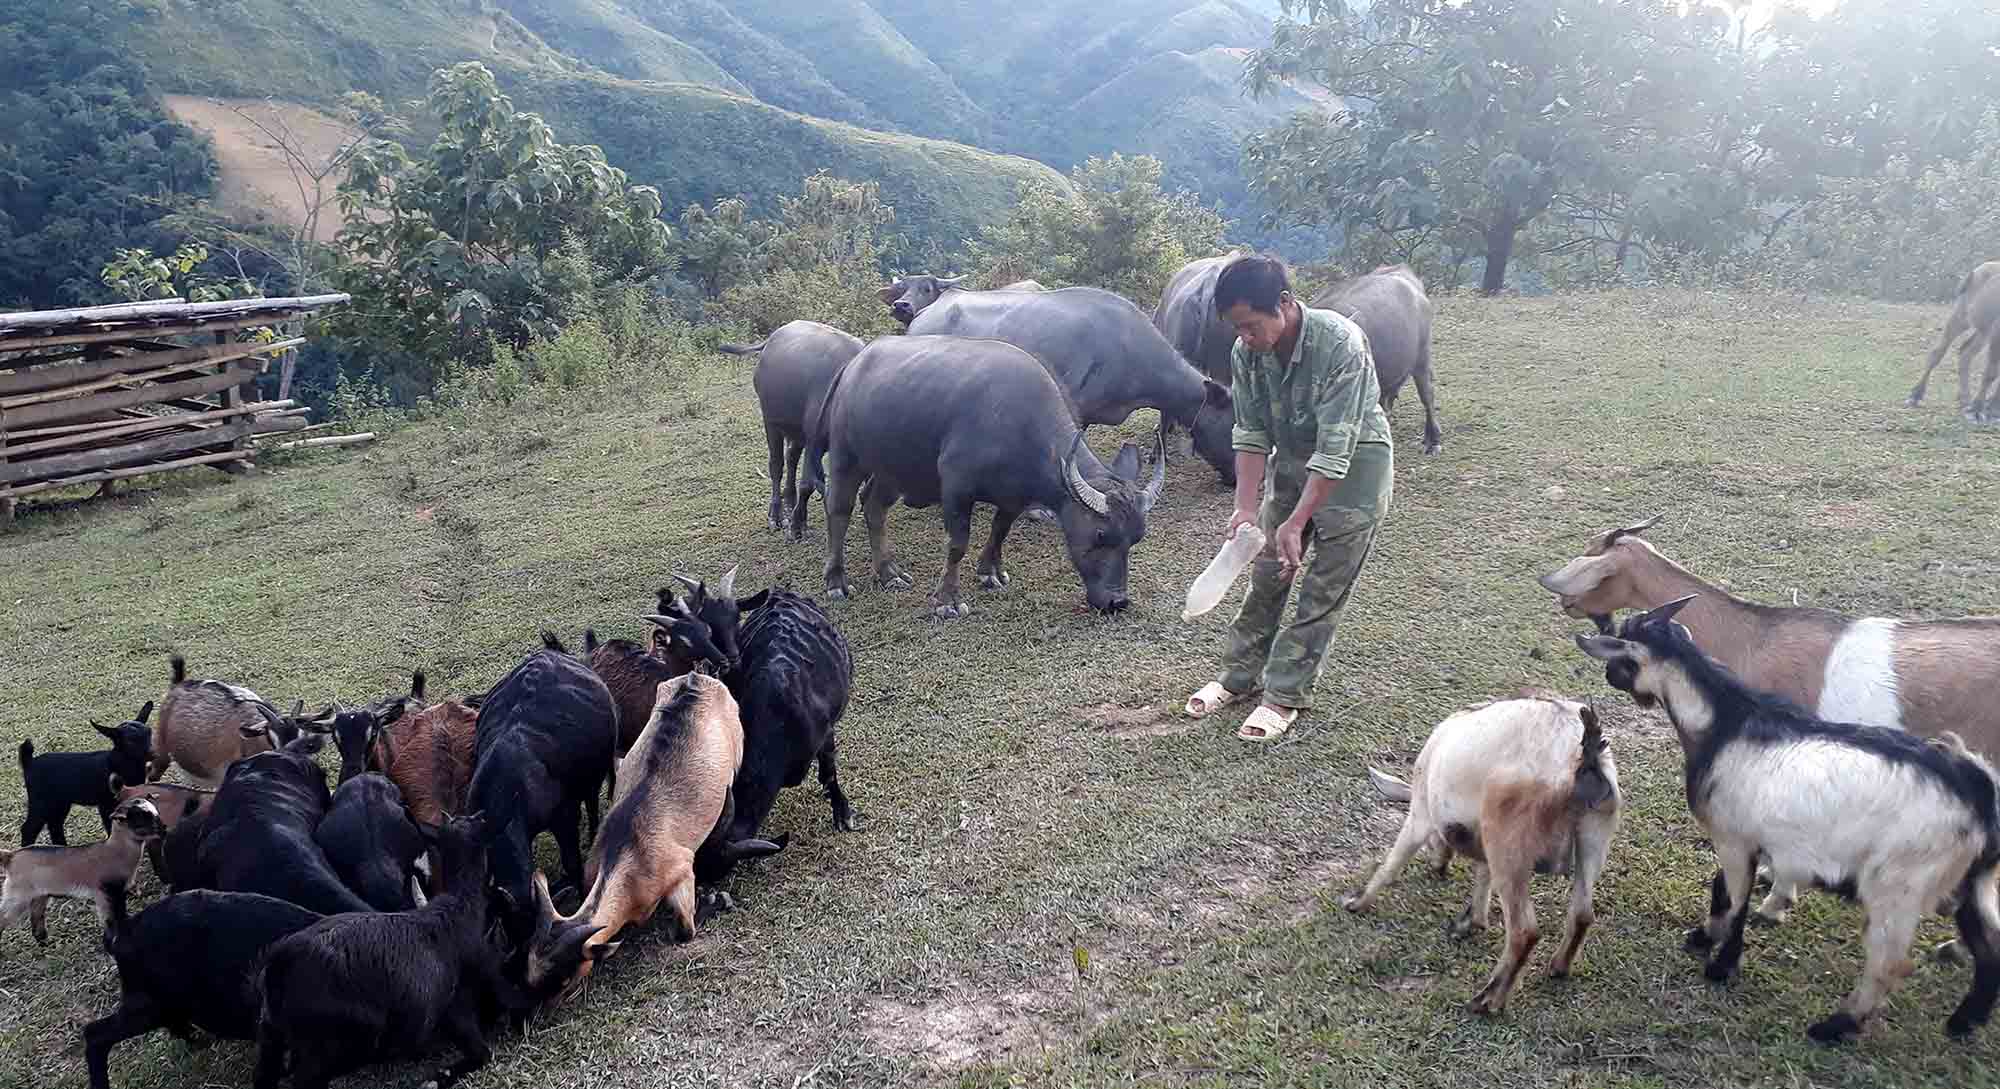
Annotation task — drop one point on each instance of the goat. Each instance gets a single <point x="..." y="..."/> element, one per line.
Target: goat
<point x="206" y="724"/>
<point x="1924" y="676"/>
<point x="58" y="780"/>
<point x="189" y="962"/>
<point x="98" y="872"/>
<point x="792" y="681"/>
<point x="544" y="743"/>
<point x="354" y="989"/>
<point x="174" y="802"/>
<point x="427" y="754"/>
<point x="1897" y="822"/>
<point x="366" y="834"/>
<point x="1521" y="786"/>
<point x="258" y="835"/>
<point x="676" y="799"/>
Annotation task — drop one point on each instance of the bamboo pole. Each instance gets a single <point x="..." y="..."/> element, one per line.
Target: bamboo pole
<point x="113" y="312"/>
<point x="135" y="427"/>
<point x="123" y="335"/>
<point x="112" y="457"/>
<point x="155" y="308"/>
<point x="122" y="474"/>
<point x="144" y="395"/>
<point x="193" y="359"/>
<point x="56" y="382"/>
<point x="283" y="425"/>
<point x="146" y="418"/>
<point x="327" y="440"/>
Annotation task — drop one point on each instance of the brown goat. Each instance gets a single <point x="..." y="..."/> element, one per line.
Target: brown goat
<point x="99" y="872"/>
<point x="634" y="674"/>
<point x="204" y="725"/>
<point x="673" y="794"/>
<point x="428" y="755"/>
<point x="172" y="801"/>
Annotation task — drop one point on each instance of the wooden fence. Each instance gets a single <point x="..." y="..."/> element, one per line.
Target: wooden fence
<point x="100" y="394"/>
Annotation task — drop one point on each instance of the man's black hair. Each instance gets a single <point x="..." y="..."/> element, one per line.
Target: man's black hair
<point x="1254" y="278"/>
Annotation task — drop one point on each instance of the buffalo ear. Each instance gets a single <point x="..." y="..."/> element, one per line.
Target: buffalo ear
<point x="889" y="293"/>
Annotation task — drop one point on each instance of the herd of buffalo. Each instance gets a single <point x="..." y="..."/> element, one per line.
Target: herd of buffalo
<point x="400" y="909"/>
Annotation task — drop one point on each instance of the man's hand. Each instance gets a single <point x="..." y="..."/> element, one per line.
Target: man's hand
<point x="1291" y="545"/>
<point x="1239" y="519"/>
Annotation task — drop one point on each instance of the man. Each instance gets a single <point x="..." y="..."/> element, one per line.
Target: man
<point x="1308" y="415"/>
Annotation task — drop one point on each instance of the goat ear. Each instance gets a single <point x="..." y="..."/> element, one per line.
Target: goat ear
<point x="1666" y="612"/>
<point x="193" y="803"/>
<point x="600" y="951"/>
<point x="116" y="782"/>
<point x="1579" y="576"/>
<point x="394" y="712"/>
<point x="103" y="729"/>
<point x="250" y="731"/>
<point x="753" y="602"/>
<point x="145" y="712"/>
<point x="1604" y="648"/>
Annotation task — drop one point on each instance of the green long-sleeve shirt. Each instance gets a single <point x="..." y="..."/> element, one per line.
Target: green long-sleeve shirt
<point x="1317" y="406"/>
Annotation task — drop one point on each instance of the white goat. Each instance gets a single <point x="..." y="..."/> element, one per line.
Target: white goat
<point x="1922" y="676"/>
<point x="99" y="872"/>
<point x="1521" y="786"/>
<point x="1897" y="822"/>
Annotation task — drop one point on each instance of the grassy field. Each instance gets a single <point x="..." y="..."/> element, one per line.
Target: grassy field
<point x="1057" y="879"/>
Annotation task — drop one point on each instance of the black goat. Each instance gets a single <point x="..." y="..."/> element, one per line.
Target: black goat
<point x="370" y="841"/>
<point x="792" y="680"/>
<point x="543" y="745"/>
<point x="355" y="989"/>
<point x="189" y="962"/>
<point x="258" y="834"/>
<point x="55" y="781"/>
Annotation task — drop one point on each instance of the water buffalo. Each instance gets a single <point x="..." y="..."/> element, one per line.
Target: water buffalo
<point x="1976" y="308"/>
<point x="909" y="296"/>
<point x="1188" y="319"/>
<point x="955" y="421"/>
<point x="794" y="365"/>
<point x="1107" y="356"/>
<point x="1390" y="306"/>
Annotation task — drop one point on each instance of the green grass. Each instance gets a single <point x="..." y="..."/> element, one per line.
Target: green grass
<point x="1005" y="822"/>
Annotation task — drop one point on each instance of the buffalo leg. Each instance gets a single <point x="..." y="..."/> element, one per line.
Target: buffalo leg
<point x="1953" y="326"/>
<point x="876" y="500"/>
<point x="795" y="491"/>
<point x="775" y="441"/>
<point x="842" y="484"/>
<point x="958" y="533"/>
<point x="1989" y="386"/>
<point x="829" y="778"/>
<point x="1968" y="353"/>
<point x="992" y="575"/>
<point x="1433" y="436"/>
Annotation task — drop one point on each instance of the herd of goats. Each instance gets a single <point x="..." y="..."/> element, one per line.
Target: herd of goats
<point x="401" y="910"/>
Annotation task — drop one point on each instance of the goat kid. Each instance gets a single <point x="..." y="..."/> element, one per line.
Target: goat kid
<point x="174" y="802"/>
<point x="58" y="780"/>
<point x="676" y="798"/>
<point x="1899" y="823"/>
<point x="98" y="872"/>
<point x="189" y="962"/>
<point x="355" y="989"/>
<point x="1520" y="787"/>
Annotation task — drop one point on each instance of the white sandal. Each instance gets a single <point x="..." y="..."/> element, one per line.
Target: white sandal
<point x="1272" y="723"/>
<point x="1210" y="698"/>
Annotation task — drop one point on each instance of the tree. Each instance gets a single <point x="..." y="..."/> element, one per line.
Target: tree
<point x="1120" y="232"/>
<point x="821" y="260"/>
<point x="1465" y="121"/>
<point x="459" y="248"/>
<point x="718" y="247"/>
<point x="137" y="275"/>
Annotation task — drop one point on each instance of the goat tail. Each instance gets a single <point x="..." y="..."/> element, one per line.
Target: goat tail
<point x="27" y="755"/>
<point x="180" y="668"/>
<point x="742" y="349"/>
<point x="1389" y="786"/>
<point x="1593" y="785"/>
<point x="552" y="641"/>
<point x="590" y="640"/>
<point x="417" y="682"/>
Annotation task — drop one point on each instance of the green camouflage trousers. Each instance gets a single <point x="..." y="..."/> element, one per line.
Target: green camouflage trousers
<point x="1284" y="659"/>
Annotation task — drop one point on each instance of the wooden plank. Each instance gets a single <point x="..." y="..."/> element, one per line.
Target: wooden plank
<point x="284" y="425"/>
<point x="127" y="336"/>
<point x="122" y="474"/>
<point x="162" y="308"/>
<point x="285" y="375"/>
<point x="82" y="461"/>
<point x="145" y="395"/>
<point x="261" y="409"/>
<point x="77" y="377"/>
<point x="153" y="370"/>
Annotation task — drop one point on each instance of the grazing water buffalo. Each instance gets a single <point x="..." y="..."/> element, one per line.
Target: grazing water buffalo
<point x="1106" y="355"/>
<point x="954" y="421"/>
<point x="909" y="296"/>
<point x="794" y="364"/>
<point x="1976" y="308"/>
<point x="1188" y="319"/>
<point x="1390" y="306"/>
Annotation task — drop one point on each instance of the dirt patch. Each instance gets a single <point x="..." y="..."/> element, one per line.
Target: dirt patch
<point x="257" y="180"/>
<point x="1845" y="517"/>
<point x="1132" y="722"/>
<point x="961" y="1030"/>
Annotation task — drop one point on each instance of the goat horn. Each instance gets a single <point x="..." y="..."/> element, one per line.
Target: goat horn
<point x="656" y="618"/>
<point x="1153" y="487"/>
<point x="1637" y="528"/>
<point x="1082" y="489"/>
<point x="726" y="586"/>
